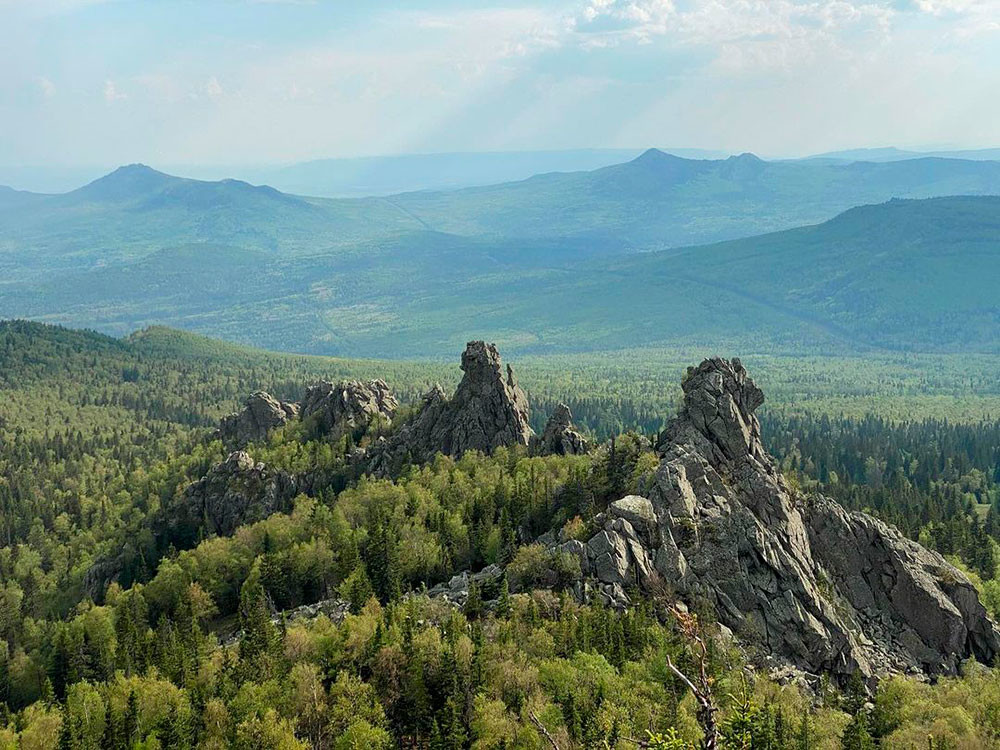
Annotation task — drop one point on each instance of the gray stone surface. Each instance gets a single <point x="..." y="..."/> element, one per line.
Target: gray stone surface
<point x="261" y="413"/>
<point x="559" y="436"/>
<point x="802" y="580"/>
<point x="456" y="590"/>
<point x="235" y="492"/>
<point x="487" y="411"/>
<point x="341" y="408"/>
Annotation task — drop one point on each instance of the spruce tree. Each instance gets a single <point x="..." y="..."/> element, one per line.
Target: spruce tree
<point x="66" y="739"/>
<point x="804" y="740"/>
<point x="856" y="735"/>
<point x="131" y="722"/>
<point x="259" y="633"/>
<point x="473" y="608"/>
<point x="504" y="603"/>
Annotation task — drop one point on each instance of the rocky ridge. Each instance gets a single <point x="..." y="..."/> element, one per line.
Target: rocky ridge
<point x="799" y="579"/>
<point x="348" y="406"/>
<point x="261" y="413"/>
<point x="235" y="492"/>
<point x="488" y="410"/>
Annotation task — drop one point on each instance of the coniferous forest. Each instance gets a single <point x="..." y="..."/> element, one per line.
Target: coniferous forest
<point x="318" y="626"/>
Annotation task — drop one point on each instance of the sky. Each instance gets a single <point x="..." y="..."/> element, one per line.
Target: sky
<point x="262" y="82"/>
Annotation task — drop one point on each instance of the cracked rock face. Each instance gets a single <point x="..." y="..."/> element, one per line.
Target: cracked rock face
<point x="799" y="579"/>
<point x="559" y="436"/>
<point x="345" y="407"/>
<point x="487" y="411"/>
<point x="261" y="414"/>
<point x="235" y="492"/>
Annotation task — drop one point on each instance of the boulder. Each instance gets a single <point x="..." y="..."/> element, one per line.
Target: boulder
<point x="559" y="436"/>
<point x="235" y="492"/>
<point x="456" y="590"/>
<point x="261" y="413"/>
<point x="342" y="408"/>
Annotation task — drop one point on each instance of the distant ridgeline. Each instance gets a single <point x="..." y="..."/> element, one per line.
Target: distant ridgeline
<point x="540" y="265"/>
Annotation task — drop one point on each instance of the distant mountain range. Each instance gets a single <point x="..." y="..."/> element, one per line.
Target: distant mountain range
<point x="586" y="260"/>
<point x="358" y="177"/>
<point x="896" y="154"/>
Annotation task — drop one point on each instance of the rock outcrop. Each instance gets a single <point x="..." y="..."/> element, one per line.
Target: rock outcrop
<point x="559" y="436"/>
<point x="487" y="411"/>
<point x="456" y="590"/>
<point x="261" y="414"/>
<point x="345" y="407"/>
<point x="235" y="492"/>
<point x="799" y="579"/>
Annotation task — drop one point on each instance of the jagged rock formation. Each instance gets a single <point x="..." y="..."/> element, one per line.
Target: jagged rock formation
<point x="488" y="410"/>
<point x="235" y="492"/>
<point x="456" y="589"/>
<point x="348" y="406"/>
<point x="799" y="580"/>
<point x="261" y="414"/>
<point x="559" y="437"/>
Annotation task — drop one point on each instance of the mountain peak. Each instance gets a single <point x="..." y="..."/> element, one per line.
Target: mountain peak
<point x="128" y="181"/>
<point x="655" y="156"/>
<point x="746" y="158"/>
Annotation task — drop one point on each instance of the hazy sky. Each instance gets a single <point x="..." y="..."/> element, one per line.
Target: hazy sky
<point x="234" y="81"/>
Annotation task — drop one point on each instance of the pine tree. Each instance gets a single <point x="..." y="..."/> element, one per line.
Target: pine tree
<point x="804" y="740"/>
<point x="66" y="739"/>
<point x="60" y="669"/>
<point x="357" y="588"/>
<point x="504" y="603"/>
<point x="175" y="734"/>
<point x="48" y="696"/>
<point x="131" y="722"/>
<point x="4" y="674"/>
<point x="856" y="735"/>
<point x="259" y="634"/>
<point x="473" y="608"/>
<point x="382" y="557"/>
<point x="114" y="735"/>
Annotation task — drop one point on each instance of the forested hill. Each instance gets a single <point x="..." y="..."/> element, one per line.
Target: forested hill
<point x="99" y="435"/>
<point x="654" y="201"/>
<point x="917" y="275"/>
<point x="660" y="200"/>
<point x="906" y="275"/>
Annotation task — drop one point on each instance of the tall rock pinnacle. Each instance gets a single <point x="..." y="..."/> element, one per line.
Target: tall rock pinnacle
<point x="803" y="580"/>
<point x="488" y="410"/>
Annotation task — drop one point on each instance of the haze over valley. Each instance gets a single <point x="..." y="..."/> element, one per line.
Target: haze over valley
<point x="539" y="265"/>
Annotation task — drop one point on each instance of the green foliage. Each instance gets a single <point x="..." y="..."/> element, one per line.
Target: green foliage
<point x="540" y="263"/>
<point x="184" y="650"/>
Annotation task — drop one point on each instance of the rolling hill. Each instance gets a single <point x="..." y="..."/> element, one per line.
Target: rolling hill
<point x="655" y="201"/>
<point x="659" y="201"/>
<point x="906" y="275"/>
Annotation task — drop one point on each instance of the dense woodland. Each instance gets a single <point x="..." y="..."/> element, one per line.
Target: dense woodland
<point x="197" y="646"/>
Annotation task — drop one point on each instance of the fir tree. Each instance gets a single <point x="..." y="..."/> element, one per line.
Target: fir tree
<point x="131" y="721"/>
<point x="255" y="621"/>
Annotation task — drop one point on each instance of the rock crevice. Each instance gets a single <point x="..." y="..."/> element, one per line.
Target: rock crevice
<point x="797" y="578"/>
<point x="487" y="411"/>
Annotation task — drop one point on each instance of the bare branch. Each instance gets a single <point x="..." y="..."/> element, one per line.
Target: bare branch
<point x="543" y="730"/>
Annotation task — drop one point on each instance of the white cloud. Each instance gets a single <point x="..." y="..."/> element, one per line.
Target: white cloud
<point x="213" y="89"/>
<point x="111" y="92"/>
<point x="48" y="88"/>
<point x="728" y="21"/>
